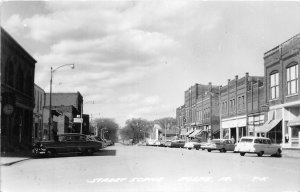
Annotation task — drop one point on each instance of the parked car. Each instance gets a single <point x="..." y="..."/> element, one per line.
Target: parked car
<point x="221" y="145"/>
<point x="162" y="143"/>
<point x="97" y="138"/>
<point x="168" y="143"/>
<point x="203" y="145"/>
<point x="150" y="142"/>
<point x="178" y="143"/>
<point x="193" y="144"/>
<point x="258" y="145"/>
<point x="157" y="143"/>
<point x="109" y="142"/>
<point x="67" y="143"/>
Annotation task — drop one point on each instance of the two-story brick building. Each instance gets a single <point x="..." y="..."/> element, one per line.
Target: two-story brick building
<point x="281" y="67"/>
<point x="17" y="88"/>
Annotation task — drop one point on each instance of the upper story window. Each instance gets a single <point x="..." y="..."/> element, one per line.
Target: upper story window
<point x="274" y="85"/>
<point x="292" y="79"/>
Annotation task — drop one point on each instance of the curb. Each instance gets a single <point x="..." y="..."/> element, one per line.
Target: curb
<point x="14" y="162"/>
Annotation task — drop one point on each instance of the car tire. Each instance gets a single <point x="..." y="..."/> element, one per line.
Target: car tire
<point x="242" y="154"/>
<point x="260" y="153"/>
<point x="89" y="151"/>
<point x="197" y="148"/>
<point x="50" y="153"/>
<point x="203" y="149"/>
<point x="189" y="148"/>
<point x="208" y="150"/>
<point x="278" y="153"/>
<point x="224" y="150"/>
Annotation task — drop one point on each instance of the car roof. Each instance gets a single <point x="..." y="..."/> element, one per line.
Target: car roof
<point x="254" y="137"/>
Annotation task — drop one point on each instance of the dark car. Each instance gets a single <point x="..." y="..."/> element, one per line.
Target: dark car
<point x="65" y="144"/>
<point x="178" y="143"/>
<point x="221" y="145"/>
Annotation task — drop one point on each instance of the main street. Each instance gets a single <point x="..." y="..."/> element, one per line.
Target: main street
<point x="143" y="168"/>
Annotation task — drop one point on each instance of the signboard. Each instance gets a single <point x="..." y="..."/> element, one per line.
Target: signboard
<point x="77" y="120"/>
<point x="264" y="108"/>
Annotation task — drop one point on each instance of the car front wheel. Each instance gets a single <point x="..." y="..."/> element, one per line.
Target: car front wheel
<point x="50" y="153"/>
<point x="208" y="150"/>
<point x="260" y="153"/>
<point x="242" y="154"/>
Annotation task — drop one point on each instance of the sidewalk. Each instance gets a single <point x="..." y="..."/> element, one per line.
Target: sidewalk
<point x="291" y="153"/>
<point x="9" y="158"/>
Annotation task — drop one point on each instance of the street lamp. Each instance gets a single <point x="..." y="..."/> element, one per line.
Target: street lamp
<point x="50" y="112"/>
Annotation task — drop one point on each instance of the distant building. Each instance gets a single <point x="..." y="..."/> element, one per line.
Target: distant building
<point x="39" y="100"/>
<point x="69" y="105"/>
<point x="200" y="112"/>
<point x="281" y="66"/>
<point x="17" y="88"/>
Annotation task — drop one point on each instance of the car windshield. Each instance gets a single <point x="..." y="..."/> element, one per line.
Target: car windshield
<point x="244" y="140"/>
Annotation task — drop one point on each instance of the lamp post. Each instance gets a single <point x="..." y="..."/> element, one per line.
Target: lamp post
<point x="50" y="112"/>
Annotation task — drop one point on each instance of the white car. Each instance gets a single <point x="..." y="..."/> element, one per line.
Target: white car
<point x="258" y="145"/>
<point x="192" y="144"/>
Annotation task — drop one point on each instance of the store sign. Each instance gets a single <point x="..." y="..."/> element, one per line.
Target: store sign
<point x="264" y="108"/>
<point x="77" y="120"/>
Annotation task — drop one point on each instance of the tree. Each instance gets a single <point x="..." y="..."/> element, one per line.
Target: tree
<point x="136" y="129"/>
<point x="108" y="128"/>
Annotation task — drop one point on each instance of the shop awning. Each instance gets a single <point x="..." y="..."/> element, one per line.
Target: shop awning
<point x="268" y="126"/>
<point x="188" y="133"/>
<point x="196" y="132"/>
<point x="294" y="122"/>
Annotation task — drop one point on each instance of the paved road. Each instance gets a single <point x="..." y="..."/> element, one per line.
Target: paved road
<point x="141" y="168"/>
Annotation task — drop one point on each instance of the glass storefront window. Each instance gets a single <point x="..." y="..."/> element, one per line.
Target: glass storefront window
<point x="295" y="131"/>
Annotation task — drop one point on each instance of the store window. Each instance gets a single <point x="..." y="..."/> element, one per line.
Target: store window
<point x="292" y="79"/>
<point x="274" y="79"/>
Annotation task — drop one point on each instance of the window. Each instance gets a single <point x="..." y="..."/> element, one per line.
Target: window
<point x="274" y="78"/>
<point x="292" y="79"/>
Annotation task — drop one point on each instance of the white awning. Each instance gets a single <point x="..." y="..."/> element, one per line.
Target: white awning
<point x="188" y="133"/>
<point x="268" y="126"/>
<point x="294" y="122"/>
<point x="196" y="132"/>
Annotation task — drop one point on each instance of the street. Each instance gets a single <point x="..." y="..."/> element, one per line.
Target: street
<point x="148" y="168"/>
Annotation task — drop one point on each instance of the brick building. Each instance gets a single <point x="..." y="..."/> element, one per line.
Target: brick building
<point x="17" y="88"/>
<point x="39" y="100"/>
<point x="195" y="115"/>
<point x="281" y="68"/>
<point x="69" y="105"/>
<point x="240" y="102"/>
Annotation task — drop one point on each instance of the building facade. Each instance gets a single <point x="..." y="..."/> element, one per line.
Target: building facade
<point x="199" y="116"/>
<point x="281" y="67"/>
<point x="39" y="103"/>
<point x="17" y="93"/>
<point x="70" y="106"/>
<point x="240" y="103"/>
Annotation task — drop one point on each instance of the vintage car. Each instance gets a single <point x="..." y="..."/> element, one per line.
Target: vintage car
<point x="258" y="145"/>
<point x="193" y="144"/>
<point x="97" y="138"/>
<point x="221" y="145"/>
<point x="168" y="143"/>
<point x="67" y="143"/>
<point x="178" y="143"/>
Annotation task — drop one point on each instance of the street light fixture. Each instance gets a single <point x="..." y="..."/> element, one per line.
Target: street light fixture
<point x="50" y="112"/>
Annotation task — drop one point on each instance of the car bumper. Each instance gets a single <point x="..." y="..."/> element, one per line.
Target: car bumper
<point x="39" y="151"/>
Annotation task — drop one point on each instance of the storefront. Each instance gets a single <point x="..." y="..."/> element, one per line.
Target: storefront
<point x="233" y="127"/>
<point x="291" y="126"/>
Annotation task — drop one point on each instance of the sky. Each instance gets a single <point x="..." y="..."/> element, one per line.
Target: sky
<point x="135" y="59"/>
